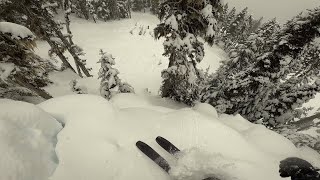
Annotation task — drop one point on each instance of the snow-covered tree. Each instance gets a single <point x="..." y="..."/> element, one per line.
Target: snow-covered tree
<point x="110" y="82"/>
<point x="79" y="7"/>
<point x="143" y="5"/>
<point x="234" y="28"/>
<point x="182" y="23"/>
<point x="264" y="89"/>
<point x="50" y="30"/>
<point x="22" y="73"/>
<point x="138" y="5"/>
<point x="155" y="6"/>
<point x="302" y="85"/>
<point x="109" y="9"/>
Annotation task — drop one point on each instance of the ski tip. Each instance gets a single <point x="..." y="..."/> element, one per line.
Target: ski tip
<point x="159" y="138"/>
<point x="139" y="143"/>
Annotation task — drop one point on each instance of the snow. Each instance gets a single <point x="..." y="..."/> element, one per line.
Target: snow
<point x="207" y="13"/>
<point x="99" y="136"/>
<point x="27" y="141"/>
<point x="61" y="83"/>
<point x="99" y="143"/>
<point x="17" y="31"/>
<point x="5" y="70"/>
<point x="172" y="21"/>
<point x="138" y="57"/>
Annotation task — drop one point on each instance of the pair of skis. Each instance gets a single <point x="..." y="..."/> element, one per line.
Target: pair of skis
<point x="157" y="158"/>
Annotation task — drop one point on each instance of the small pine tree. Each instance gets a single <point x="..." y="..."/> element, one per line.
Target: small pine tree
<point x="110" y="82"/>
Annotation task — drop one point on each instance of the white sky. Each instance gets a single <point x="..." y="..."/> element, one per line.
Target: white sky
<point x="281" y="9"/>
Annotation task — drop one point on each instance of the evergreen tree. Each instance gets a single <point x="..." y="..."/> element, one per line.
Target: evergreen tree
<point x="138" y="5"/>
<point x="110" y="82"/>
<point x="301" y="86"/>
<point x="123" y="8"/>
<point x="262" y="90"/>
<point x="181" y="25"/>
<point x="80" y="8"/>
<point x="238" y="23"/>
<point x="155" y="6"/>
<point x="37" y="11"/>
<point x="109" y="9"/>
<point x="101" y="10"/>
<point x="234" y="28"/>
<point x="22" y="73"/>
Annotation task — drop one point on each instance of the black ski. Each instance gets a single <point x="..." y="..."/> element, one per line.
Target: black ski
<point x="153" y="155"/>
<point x="167" y="145"/>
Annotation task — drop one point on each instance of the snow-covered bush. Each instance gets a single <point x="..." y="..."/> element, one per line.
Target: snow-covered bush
<point x="27" y="141"/>
<point x="110" y="82"/>
<point x="76" y="88"/>
<point x="182" y="23"/>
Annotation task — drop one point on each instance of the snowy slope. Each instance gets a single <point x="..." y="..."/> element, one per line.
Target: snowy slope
<point x="138" y="57"/>
<point x="27" y="141"/>
<point x="98" y="140"/>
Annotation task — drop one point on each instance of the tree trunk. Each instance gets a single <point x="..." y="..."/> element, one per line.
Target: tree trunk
<point x="70" y="36"/>
<point x="68" y="46"/>
<point x="306" y="120"/>
<point x="73" y="54"/>
<point x="56" y="29"/>
<point x="20" y="80"/>
<point x="60" y="54"/>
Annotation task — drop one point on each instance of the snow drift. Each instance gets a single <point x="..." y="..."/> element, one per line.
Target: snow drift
<point x="27" y="141"/>
<point x="98" y="141"/>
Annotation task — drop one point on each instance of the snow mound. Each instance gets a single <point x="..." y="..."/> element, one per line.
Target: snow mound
<point x="16" y="31"/>
<point x="98" y="141"/>
<point x="27" y="141"/>
<point x="263" y="139"/>
<point x="205" y="108"/>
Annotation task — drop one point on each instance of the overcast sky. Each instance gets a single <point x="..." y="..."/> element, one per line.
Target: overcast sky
<point x="282" y="9"/>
